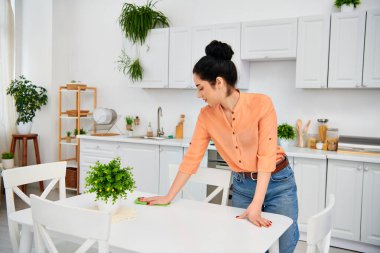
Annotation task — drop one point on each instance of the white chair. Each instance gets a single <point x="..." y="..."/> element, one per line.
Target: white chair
<point x="15" y="177"/>
<point x="93" y="225"/>
<point x="209" y="176"/>
<point x="319" y="229"/>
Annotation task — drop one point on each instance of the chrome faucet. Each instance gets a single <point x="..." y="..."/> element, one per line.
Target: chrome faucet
<point x="160" y="131"/>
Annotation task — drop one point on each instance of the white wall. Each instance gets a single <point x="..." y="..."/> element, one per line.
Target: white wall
<point x="81" y="40"/>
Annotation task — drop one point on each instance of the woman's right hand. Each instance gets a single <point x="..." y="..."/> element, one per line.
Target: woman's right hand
<point x="156" y="200"/>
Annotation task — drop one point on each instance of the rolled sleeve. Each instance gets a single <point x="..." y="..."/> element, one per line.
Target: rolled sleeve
<point x="267" y="143"/>
<point x="197" y="148"/>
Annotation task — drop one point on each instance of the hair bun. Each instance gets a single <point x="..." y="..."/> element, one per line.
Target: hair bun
<point x="219" y="50"/>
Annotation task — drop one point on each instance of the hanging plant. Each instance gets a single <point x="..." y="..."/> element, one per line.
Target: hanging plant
<point x="132" y="68"/>
<point x="136" y="21"/>
<point x="339" y="3"/>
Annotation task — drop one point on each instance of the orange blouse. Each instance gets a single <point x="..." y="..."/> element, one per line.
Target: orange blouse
<point x="248" y="144"/>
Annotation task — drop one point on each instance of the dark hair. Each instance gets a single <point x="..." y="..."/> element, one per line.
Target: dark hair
<point x="217" y="62"/>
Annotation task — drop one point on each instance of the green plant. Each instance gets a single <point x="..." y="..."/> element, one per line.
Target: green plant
<point x="29" y="98"/>
<point x="68" y="133"/>
<point x="7" y="155"/>
<point x="129" y="120"/>
<point x="81" y="131"/>
<point x="339" y="3"/>
<point x="136" y="21"/>
<point x="286" y="131"/>
<point x="129" y="67"/>
<point x="110" y="181"/>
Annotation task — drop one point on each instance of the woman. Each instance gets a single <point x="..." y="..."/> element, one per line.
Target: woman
<point x="244" y="129"/>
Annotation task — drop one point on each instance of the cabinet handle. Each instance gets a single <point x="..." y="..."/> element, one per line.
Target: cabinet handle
<point x="366" y="169"/>
<point x="359" y="168"/>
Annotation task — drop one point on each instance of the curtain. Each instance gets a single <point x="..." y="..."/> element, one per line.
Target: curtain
<point x="7" y="69"/>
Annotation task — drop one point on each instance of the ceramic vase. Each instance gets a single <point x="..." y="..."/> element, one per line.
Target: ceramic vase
<point x="8" y="163"/>
<point x="24" y="128"/>
<point x="347" y="8"/>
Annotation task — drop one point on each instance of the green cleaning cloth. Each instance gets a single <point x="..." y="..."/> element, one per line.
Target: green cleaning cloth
<point x="137" y="201"/>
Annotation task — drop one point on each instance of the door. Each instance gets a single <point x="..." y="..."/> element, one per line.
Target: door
<point x="310" y="175"/>
<point x="370" y="230"/>
<point x="145" y="162"/>
<point x="312" y="51"/>
<point x="345" y="181"/>
<point x="346" y="49"/>
<point x="180" y="69"/>
<point x="371" y="69"/>
<point x="168" y="155"/>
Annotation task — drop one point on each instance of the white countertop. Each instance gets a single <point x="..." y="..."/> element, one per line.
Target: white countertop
<point x="290" y="151"/>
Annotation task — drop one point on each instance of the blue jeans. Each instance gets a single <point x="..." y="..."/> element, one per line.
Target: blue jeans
<point x="281" y="198"/>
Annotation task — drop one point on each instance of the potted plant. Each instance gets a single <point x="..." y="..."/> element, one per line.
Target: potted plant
<point x="81" y="131"/>
<point x="7" y="160"/>
<point x="110" y="182"/>
<point x="68" y="136"/>
<point x="285" y="134"/>
<point x="135" y="22"/>
<point x="346" y="5"/>
<point x="129" y="122"/>
<point x="29" y="98"/>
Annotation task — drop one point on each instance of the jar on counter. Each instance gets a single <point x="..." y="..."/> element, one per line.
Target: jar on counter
<point x="322" y="128"/>
<point x="332" y="137"/>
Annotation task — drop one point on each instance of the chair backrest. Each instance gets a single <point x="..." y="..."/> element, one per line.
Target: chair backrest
<point x="93" y="225"/>
<point x="319" y="229"/>
<point x="209" y="176"/>
<point x="15" y="177"/>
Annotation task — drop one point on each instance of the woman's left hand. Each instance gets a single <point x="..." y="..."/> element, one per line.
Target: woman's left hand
<point x="253" y="214"/>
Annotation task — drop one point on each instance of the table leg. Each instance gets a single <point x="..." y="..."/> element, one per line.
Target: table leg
<point x="24" y="157"/>
<point x="275" y="248"/>
<point x="26" y="239"/>
<point x="38" y="160"/>
<point x="13" y="145"/>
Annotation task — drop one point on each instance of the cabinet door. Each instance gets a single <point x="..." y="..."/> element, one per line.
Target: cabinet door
<point x="230" y="34"/>
<point x="370" y="232"/>
<point x="345" y="181"/>
<point x="168" y="155"/>
<point x="200" y="37"/>
<point x="312" y="51"/>
<point x="197" y="191"/>
<point x="180" y="69"/>
<point x="270" y="39"/>
<point x="310" y="177"/>
<point x="154" y="57"/>
<point x="371" y="69"/>
<point x="145" y="162"/>
<point x="346" y="49"/>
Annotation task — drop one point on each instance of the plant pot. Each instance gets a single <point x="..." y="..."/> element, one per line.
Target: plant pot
<point x="284" y="143"/>
<point x="68" y="139"/>
<point x="129" y="133"/>
<point x="24" y="128"/>
<point x="129" y="127"/>
<point x="8" y="163"/>
<point x="108" y="206"/>
<point x="347" y="8"/>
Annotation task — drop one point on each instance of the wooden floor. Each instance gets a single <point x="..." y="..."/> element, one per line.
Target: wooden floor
<point x="5" y="245"/>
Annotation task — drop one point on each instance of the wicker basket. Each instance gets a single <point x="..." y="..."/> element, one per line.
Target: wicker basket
<point x="71" y="177"/>
<point x="74" y="113"/>
<point x="75" y="86"/>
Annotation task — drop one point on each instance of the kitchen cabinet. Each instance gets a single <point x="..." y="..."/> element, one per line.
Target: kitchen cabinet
<point x="371" y="69"/>
<point x="180" y="68"/>
<point x="269" y="39"/>
<point x="312" y="51"/>
<point x="145" y="160"/>
<point x="310" y="175"/>
<point x="154" y="58"/>
<point x="356" y="186"/>
<point x="227" y="33"/>
<point x="168" y="155"/>
<point x="346" y="50"/>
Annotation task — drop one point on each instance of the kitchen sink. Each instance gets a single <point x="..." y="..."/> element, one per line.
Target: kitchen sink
<point x="149" y="138"/>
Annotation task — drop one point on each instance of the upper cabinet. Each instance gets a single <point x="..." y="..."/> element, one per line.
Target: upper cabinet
<point x="269" y="40"/>
<point x="346" y="49"/>
<point x="371" y="71"/>
<point x="154" y="58"/>
<point x="312" y="51"/>
<point x="187" y="46"/>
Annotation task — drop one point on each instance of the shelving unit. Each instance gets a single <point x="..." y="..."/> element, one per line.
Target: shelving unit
<point x="72" y="173"/>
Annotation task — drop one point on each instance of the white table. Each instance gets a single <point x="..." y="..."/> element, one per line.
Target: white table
<point x="183" y="226"/>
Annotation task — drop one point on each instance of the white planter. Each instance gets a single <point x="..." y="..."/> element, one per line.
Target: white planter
<point x="108" y="206"/>
<point x="8" y="163"/>
<point x="24" y="128"/>
<point x="285" y="143"/>
<point x="347" y="8"/>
